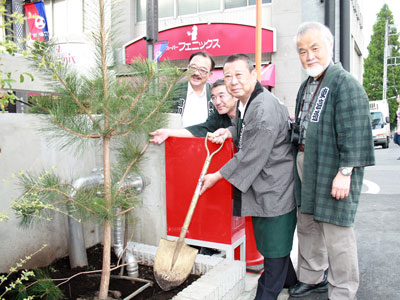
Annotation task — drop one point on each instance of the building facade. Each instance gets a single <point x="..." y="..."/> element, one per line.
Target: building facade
<point x="70" y="23"/>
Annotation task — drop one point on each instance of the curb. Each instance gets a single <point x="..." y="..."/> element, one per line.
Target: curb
<point x="221" y="278"/>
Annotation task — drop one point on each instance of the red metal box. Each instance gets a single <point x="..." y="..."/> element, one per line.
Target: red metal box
<point x="212" y="219"/>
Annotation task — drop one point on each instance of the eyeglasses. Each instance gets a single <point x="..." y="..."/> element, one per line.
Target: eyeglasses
<point x="202" y="71"/>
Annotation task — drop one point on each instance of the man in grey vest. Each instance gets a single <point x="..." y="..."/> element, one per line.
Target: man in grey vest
<point x="261" y="172"/>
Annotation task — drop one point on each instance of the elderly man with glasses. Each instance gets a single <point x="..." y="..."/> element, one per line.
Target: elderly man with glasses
<point x="193" y="98"/>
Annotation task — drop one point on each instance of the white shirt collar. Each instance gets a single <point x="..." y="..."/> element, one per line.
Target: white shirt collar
<point x="191" y="90"/>
<point x="242" y="108"/>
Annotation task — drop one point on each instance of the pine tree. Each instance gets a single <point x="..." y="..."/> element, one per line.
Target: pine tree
<point x="373" y="64"/>
<point x="114" y="112"/>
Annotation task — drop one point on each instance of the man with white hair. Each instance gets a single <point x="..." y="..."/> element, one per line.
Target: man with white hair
<point x="333" y="143"/>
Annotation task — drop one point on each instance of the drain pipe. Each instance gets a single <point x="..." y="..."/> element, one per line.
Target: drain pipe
<point x="345" y="35"/>
<point x="132" y="267"/>
<point x="76" y="245"/>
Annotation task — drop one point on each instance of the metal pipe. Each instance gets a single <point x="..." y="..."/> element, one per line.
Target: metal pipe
<point x="137" y="184"/>
<point x="76" y="243"/>
<point x="330" y="21"/>
<point x="345" y="37"/>
<point x="77" y="249"/>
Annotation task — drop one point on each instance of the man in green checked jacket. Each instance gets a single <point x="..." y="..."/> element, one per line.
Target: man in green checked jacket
<point x="333" y="145"/>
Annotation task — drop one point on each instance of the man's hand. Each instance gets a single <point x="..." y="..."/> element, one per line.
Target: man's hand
<point x="209" y="180"/>
<point x="341" y="186"/>
<point x="220" y="135"/>
<point x="398" y="131"/>
<point x="159" y="136"/>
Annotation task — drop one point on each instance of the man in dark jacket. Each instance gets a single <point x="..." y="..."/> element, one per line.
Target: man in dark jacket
<point x="192" y="99"/>
<point x="226" y="110"/>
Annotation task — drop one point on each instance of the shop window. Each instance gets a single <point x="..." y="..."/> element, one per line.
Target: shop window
<point x="165" y="9"/>
<point x="140" y="10"/>
<point x="207" y="5"/>
<point x="253" y="2"/>
<point x="235" y="3"/>
<point x="186" y="7"/>
<point x="241" y="3"/>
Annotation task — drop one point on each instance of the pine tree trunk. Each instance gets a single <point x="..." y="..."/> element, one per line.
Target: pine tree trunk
<point x="105" y="274"/>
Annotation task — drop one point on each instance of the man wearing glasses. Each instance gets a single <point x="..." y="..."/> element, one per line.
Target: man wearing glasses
<point x="194" y="98"/>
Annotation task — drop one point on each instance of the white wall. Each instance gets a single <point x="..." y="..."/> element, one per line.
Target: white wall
<point x="23" y="147"/>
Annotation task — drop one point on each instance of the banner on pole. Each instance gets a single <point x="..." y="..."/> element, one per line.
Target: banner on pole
<point x="37" y="21"/>
<point x="159" y="50"/>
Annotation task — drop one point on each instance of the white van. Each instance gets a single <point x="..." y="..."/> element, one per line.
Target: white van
<point x="380" y="122"/>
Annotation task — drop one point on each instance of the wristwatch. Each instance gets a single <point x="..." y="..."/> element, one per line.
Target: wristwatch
<point x="345" y="171"/>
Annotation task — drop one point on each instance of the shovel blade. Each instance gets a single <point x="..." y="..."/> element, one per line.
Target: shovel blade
<point x="168" y="274"/>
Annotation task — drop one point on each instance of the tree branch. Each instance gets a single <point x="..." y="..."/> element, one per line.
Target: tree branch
<point x="159" y="104"/>
<point x="66" y="128"/>
<point x="82" y="107"/>
<point x="134" y="102"/>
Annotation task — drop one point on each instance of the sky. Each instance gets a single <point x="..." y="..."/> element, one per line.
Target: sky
<point x="369" y="10"/>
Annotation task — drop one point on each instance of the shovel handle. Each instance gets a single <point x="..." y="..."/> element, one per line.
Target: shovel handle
<point x="196" y="195"/>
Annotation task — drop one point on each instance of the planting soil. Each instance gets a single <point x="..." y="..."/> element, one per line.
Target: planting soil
<point x="86" y="286"/>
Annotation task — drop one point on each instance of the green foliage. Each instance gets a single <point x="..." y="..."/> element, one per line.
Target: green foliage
<point x="39" y="286"/>
<point x="373" y="64"/>
<point x="39" y="193"/>
<point x="12" y="286"/>
<point x="8" y="46"/>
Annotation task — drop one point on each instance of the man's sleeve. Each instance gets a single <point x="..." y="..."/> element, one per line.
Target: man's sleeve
<point x="352" y="123"/>
<point x="213" y="122"/>
<point x="258" y="142"/>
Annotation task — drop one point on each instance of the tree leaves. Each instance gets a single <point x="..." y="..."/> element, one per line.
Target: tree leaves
<point x="374" y="63"/>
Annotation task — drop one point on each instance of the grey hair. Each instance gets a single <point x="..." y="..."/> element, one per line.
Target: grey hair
<point x="325" y="32"/>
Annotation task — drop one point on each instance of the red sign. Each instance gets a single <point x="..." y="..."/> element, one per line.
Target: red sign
<point x="217" y="39"/>
<point x="37" y="22"/>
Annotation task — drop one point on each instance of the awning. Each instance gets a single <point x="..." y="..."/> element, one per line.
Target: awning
<point x="267" y="75"/>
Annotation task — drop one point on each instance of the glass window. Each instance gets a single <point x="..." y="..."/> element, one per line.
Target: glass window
<point x="165" y="8"/>
<point x="187" y="7"/>
<point x="206" y="5"/>
<point x="235" y="3"/>
<point x="140" y="10"/>
<point x="253" y="2"/>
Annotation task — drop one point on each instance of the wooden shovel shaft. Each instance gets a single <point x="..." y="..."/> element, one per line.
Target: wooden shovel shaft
<point x="193" y="203"/>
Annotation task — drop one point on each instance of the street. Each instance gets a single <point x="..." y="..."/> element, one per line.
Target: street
<point x="377" y="228"/>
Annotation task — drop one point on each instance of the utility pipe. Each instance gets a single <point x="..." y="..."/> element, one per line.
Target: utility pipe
<point x="132" y="268"/>
<point x="76" y="247"/>
<point x="76" y="243"/>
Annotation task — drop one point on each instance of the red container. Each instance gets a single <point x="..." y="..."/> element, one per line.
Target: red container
<point x="212" y="219"/>
<point x="253" y="257"/>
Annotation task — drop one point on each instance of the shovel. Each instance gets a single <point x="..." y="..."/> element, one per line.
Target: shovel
<point x="174" y="259"/>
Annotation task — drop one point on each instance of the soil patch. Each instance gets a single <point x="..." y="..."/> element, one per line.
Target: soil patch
<point x="86" y="286"/>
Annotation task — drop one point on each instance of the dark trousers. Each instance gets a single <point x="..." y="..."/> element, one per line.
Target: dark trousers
<point x="278" y="274"/>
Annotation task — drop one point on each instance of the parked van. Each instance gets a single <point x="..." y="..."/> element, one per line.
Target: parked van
<point x="380" y="122"/>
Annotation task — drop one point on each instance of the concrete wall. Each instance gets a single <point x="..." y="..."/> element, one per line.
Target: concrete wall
<point x="23" y="147"/>
<point x="286" y="16"/>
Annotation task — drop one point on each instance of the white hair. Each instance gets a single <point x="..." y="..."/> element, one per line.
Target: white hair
<point x="325" y="32"/>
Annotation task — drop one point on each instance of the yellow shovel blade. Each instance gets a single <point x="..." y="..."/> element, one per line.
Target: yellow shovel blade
<point x="167" y="274"/>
